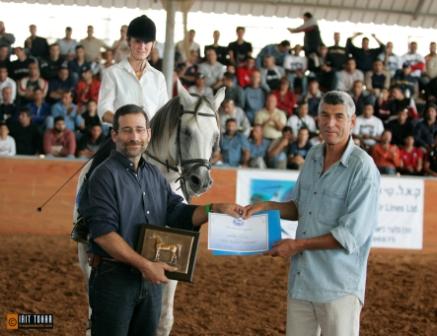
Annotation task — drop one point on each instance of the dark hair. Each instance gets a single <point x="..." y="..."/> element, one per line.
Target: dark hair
<point x="240" y="28"/>
<point x="59" y="118"/>
<point x="3" y="123"/>
<point x="308" y="15"/>
<point x="231" y="120"/>
<point x="79" y="46"/>
<point x="228" y="75"/>
<point x="24" y="109"/>
<point x="284" y="43"/>
<point x="287" y="129"/>
<point x="128" y="109"/>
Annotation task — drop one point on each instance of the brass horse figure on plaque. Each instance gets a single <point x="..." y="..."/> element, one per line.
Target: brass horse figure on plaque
<point x="160" y="246"/>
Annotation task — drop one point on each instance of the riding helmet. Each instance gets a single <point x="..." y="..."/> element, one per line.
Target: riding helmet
<point x="142" y="28"/>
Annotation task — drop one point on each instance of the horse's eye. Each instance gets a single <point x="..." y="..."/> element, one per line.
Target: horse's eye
<point x="187" y="132"/>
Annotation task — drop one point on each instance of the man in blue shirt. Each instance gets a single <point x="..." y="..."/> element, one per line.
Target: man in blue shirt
<point x="234" y="146"/>
<point x="125" y="191"/>
<point x="335" y="201"/>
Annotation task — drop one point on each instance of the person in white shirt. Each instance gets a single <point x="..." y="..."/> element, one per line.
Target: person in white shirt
<point x="228" y="110"/>
<point x="303" y="119"/>
<point x="7" y="143"/>
<point x="213" y="70"/>
<point x="414" y="59"/>
<point x="184" y="47"/>
<point x="121" y="46"/>
<point x="200" y="88"/>
<point x="5" y="81"/>
<point x="347" y="77"/>
<point x="133" y="80"/>
<point x="368" y="128"/>
<point x="67" y="45"/>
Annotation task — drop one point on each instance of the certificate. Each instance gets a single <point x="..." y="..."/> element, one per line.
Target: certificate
<point x="229" y="234"/>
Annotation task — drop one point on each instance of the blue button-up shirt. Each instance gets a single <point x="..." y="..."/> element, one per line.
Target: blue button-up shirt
<point x="120" y="199"/>
<point x="342" y="201"/>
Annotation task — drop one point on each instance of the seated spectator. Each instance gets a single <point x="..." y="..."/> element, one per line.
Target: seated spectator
<point x="277" y="153"/>
<point x="414" y="60"/>
<point x="90" y="143"/>
<point x="313" y="98"/>
<point x="368" y="128"/>
<point x="77" y="64"/>
<point x="377" y="79"/>
<point x="5" y="81"/>
<point x="321" y="69"/>
<point x="108" y="60"/>
<point x="240" y="50"/>
<point x="200" y="88"/>
<point x="405" y="80"/>
<point x="385" y="155"/>
<point x="228" y="110"/>
<point x="258" y="148"/>
<point x="347" y="77"/>
<point x="35" y="45"/>
<point x="87" y="88"/>
<point x="8" y="109"/>
<point x="155" y="59"/>
<point x="234" y="146"/>
<point x="244" y="72"/>
<point x="59" y="141"/>
<point x="7" y="143"/>
<point x="426" y="129"/>
<point x="364" y="56"/>
<point x="411" y="158"/>
<point x="39" y="109"/>
<point x="254" y="96"/>
<point x="20" y="67"/>
<point x="90" y="115"/>
<point x="337" y="55"/>
<point x="121" y="46"/>
<point x="221" y="51"/>
<point x="50" y="66"/>
<point x="391" y="61"/>
<point x="271" y="118"/>
<point x="186" y="45"/>
<point x="213" y="70"/>
<point x="277" y="51"/>
<point x="395" y="103"/>
<point x="401" y="127"/>
<point x="68" y="111"/>
<point x="430" y="165"/>
<point x="302" y="119"/>
<point x="190" y="69"/>
<point x="4" y="56"/>
<point x="295" y="66"/>
<point x="28" y="85"/>
<point x="57" y="86"/>
<point x="271" y="74"/>
<point x="285" y="97"/>
<point x="67" y="45"/>
<point x="299" y="149"/>
<point x="361" y="97"/>
<point x="233" y="91"/>
<point x="26" y="134"/>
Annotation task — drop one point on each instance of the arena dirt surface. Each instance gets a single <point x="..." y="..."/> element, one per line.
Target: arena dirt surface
<point x="230" y="296"/>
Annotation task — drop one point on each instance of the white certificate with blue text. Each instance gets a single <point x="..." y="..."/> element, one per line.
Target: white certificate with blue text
<point x="226" y="233"/>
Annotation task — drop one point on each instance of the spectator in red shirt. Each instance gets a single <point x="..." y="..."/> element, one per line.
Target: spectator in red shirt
<point x="411" y="158"/>
<point x="59" y="141"/>
<point x="244" y="72"/>
<point x="385" y="155"/>
<point x="87" y="88"/>
<point x="285" y="96"/>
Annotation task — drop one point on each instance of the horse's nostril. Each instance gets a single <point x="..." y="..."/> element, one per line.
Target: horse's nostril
<point x="195" y="180"/>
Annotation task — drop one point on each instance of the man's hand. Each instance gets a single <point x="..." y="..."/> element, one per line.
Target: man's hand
<point x="154" y="271"/>
<point x="251" y="209"/>
<point x="233" y="210"/>
<point x="285" y="248"/>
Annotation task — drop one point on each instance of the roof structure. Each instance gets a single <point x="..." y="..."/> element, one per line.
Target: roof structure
<point x="415" y="13"/>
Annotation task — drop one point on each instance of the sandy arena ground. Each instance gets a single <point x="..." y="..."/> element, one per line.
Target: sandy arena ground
<point x="229" y="296"/>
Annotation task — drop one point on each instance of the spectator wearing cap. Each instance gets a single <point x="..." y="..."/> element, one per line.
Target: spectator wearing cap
<point x="271" y="74"/>
<point x="200" y="88"/>
<point x="26" y="134"/>
<point x="7" y="143"/>
<point x="285" y="97"/>
<point x="28" y="85"/>
<point x="51" y="65"/>
<point x="35" y="45"/>
<point x="221" y="51"/>
<point x="233" y="91"/>
<point x="347" y="77"/>
<point x="20" y="67"/>
<point x="228" y="110"/>
<point x="213" y="70"/>
<point x="239" y="50"/>
<point x="67" y="44"/>
<point x="364" y="56"/>
<point x="6" y="81"/>
<point x="133" y="80"/>
<point x="59" y="141"/>
<point x="87" y="88"/>
<point x="93" y="46"/>
<point x="39" y="109"/>
<point x="277" y="51"/>
<point x="312" y="38"/>
<point x="337" y="55"/>
<point x="66" y="109"/>
<point x="61" y="83"/>
<point x="78" y="63"/>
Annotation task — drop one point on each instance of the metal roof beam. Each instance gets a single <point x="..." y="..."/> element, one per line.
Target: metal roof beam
<point x="418" y="8"/>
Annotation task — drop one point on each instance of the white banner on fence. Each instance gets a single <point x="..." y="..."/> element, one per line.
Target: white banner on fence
<point x="400" y="204"/>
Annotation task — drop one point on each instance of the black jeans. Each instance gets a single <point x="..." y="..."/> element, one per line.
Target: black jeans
<point x="123" y="303"/>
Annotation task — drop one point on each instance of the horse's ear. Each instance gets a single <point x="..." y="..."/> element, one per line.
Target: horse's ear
<point x="186" y="98"/>
<point x="219" y="97"/>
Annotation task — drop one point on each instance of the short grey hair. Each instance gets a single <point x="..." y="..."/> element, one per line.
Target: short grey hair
<point x="338" y="98"/>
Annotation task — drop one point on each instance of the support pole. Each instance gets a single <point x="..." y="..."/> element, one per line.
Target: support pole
<point x="168" y="61"/>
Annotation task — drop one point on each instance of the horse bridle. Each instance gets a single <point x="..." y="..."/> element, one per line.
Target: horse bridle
<point x="187" y="165"/>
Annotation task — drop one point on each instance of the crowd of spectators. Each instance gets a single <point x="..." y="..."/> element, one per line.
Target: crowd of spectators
<point x="269" y="116"/>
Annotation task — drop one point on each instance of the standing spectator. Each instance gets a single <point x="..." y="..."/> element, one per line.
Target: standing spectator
<point x="26" y="134"/>
<point x="59" y="141"/>
<point x="8" y="109"/>
<point x="414" y="60"/>
<point x="90" y="143"/>
<point x="313" y="98"/>
<point x="5" y="81"/>
<point x="61" y="83"/>
<point x="411" y="158"/>
<point x="312" y="38"/>
<point x="285" y="97"/>
<point x="254" y="96"/>
<point x="347" y="77"/>
<point x="86" y="89"/>
<point x="431" y="62"/>
<point x="258" y="146"/>
<point x="234" y="146"/>
<point x="364" y="56"/>
<point x="392" y="62"/>
<point x="302" y="119"/>
<point x="431" y="159"/>
<point x="385" y="155"/>
<point x="360" y="97"/>
<point x="244" y="72"/>
<point x="239" y="50"/>
<point x="277" y="51"/>
<point x="277" y="153"/>
<point x="295" y="66"/>
<point x="337" y="55"/>
<point x="51" y="65"/>
<point x="6" y="39"/>
<point x="28" y="85"/>
<point x="184" y="47"/>
<point x="377" y="79"/>
<point x="228" y="110"/>
<point x="67" y="45"/>
<point x="368" y="128"/>
<point x="401" y="127"/>
<point x="39" y="109"/>
<point x="299" y="149"/>
<point x="20" y="67"/>
<point x="121" y="46"/>
<point x="271" y="118"/>
<point x="271" y="74"/>
<point x="7" y="143"/>
<point x="213" y="70"/>
<point x="221" y="51"/>
<point x="78" y="63"/>
<point x="199" y="88"/>
<point x="35" y="45"/>
<point x="92" y="46"/>
<point x="426" y="129"/>
<point x="321" y="68"/>
<point x="233" y="91"/>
